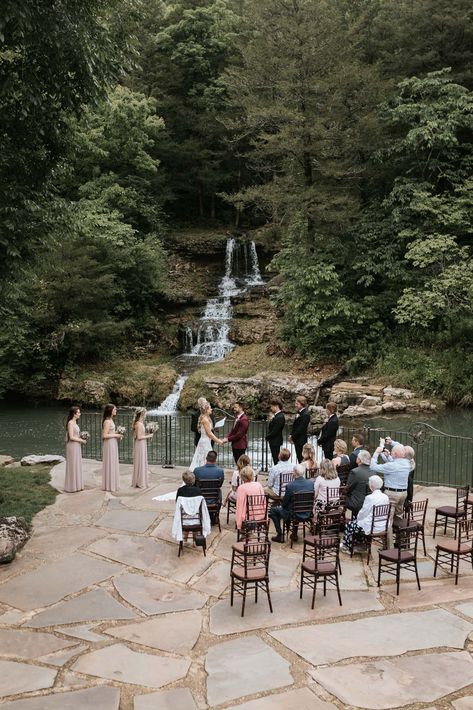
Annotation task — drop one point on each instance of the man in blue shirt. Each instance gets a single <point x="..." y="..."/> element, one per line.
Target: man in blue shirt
<point x="396" y="476"/>
<point x="300" y="484"/>
<point x="210" y="471"/>
<point x="274" y="475"/>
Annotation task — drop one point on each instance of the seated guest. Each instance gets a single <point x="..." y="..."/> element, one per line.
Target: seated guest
<point x="357" y="442"/>
<point x="300" y="484"/>
<point x="189" y="489"/>
<point x="210" y="471"/>
<point x="247" y="487"/>
<point x="357" y="484"/>
<point x="308" y="458"/>
<point x="274" y="475"/>
<point x="327" y="478"/>
<point x="362" y="525"/>
<point x="243" y="461"/>
<point x="341" y="457"/>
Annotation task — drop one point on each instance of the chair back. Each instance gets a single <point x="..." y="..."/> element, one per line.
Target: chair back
<point x="256" y="508"/>
<point x="211" y="490"/>
<point x="380" y="519"/>
<point x="333" y="496"/>
<point x="416" y="511"/>
<point x="465" y="532"/>
<point x="343" y="471"/>
<point x="343" y="495"/>
<point x="327" y="549"/>
<point x="189" y="520"/>
<point x="462" y="497"/>
<point x="406" y="540"/>
<point x="284" y="478"/>
<point x="330" y="522"/>
<point x="311" y="472"/>
<point x="256" y="557"/>
<point x="302" y="504"/>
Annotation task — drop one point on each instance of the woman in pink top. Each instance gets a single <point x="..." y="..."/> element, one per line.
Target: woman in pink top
<point x="328" y="478"/>
<point x="247" y="487"/>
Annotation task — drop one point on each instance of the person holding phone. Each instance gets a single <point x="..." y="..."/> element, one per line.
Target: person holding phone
<point x="396" y="477"/>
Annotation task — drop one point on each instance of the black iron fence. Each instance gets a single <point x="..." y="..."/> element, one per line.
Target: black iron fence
<point x="441" y="459"/>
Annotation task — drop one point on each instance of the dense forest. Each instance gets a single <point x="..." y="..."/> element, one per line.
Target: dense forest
<point x="341" y="128"/>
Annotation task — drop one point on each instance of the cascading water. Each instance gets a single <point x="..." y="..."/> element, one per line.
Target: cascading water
<point x="169" y="405"/>
<point x="211" y="341"/>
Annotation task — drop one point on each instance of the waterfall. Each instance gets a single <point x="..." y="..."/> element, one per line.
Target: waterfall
<point x="241" y="272"/>
<point x="169" y="405"/>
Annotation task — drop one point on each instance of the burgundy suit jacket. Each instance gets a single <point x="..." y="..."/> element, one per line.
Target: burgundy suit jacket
<point x="237" y="435"/>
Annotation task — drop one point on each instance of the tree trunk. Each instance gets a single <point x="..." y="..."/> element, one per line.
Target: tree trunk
<point x="200" y="192"/>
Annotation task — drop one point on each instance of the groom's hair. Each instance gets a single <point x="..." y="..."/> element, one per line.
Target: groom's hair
<point x="212" y="456"/>
<point x="240" y="404"/>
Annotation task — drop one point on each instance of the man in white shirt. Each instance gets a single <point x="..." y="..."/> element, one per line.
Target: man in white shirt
<point x="274" y="475"/>
<point x="362" y="524"/>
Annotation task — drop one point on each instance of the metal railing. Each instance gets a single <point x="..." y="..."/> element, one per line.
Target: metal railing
<point x="441" y="459"/>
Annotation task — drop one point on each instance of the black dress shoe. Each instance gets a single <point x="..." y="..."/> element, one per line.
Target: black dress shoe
<point x="277" y="538"/>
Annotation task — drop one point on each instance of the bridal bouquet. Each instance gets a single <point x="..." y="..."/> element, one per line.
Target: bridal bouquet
<point x="121" y="430"/>
<point x="85" y="435"/>
<point x="151" y="427"/>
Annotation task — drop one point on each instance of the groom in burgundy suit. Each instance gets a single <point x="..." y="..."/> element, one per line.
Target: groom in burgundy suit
<point x="237" y="436"/>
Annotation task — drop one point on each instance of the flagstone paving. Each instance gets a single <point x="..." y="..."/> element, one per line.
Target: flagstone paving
<point x="98" y="611"/>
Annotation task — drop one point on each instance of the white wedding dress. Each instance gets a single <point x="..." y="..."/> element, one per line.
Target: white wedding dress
<point x="201" y="450"/>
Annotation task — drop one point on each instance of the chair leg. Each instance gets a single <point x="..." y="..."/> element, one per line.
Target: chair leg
<point x="379" y="571"/>
<point x="435" y="526"/>
<point x="232" y="589"/>
<point x="417" y="575"/>
<point x="457" y="569"/>
<point x="436" y="562"/>
<point x="445" y="526"/>
<point x="338" y="590"/>
<point x="313" y="593"/>
<point x="302" y="582"/>
<point x="180" y="548"/>
<point x="228" y="511"/>
<point x="398" y="578"/>
<point x="244" y="599"/>
<point x="269" y="597"/>
<point x="325" y="586"/>
<point x="256" y="593"/>
<point x="423" y="542"/>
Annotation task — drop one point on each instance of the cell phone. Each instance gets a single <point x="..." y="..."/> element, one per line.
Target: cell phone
<point x="382" y="442"/>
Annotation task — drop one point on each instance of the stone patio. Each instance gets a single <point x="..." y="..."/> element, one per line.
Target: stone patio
<point x="98" y="611"/>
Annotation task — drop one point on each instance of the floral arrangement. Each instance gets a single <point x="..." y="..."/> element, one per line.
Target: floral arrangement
<point x="121" y="430"/>
<point x="151" y="427"/>
<point x="85" y="435"/>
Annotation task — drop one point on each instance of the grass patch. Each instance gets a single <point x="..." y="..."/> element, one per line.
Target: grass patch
<point x="25" y="491"/>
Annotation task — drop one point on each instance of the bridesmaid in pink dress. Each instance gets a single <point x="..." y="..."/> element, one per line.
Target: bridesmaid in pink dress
<point x="140" y="450"/>
<point x="110" y="462"/>
<point x="73" y="481"/>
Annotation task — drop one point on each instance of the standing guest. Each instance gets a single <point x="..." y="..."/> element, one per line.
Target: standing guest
<point x="73" y="481"/>
<point x="309" y="460"/>
<point x="396" y="478"/>
<point x="238" y="433"/>
<point x="386" y="455"/>
<point x="327" y="478"/>
<point x="340" y="450"/>
<point x="236" y="480"/>
<point x="140" y="450"/>
<point x="328" y="433"/>
<point x="300" y="425"/>
<point x="357" y="442"/>
<point x="273" y="489"/>
<point x="276" y="426"/>
<point x="110" y="461"/>
<point x="189" y="489"/>
<point x="357" y="484"/>
<point x="248" y="487"/>
<point x="210" y="471"/>
<point x="362" y="524"/>
<point x="300" y="484"/>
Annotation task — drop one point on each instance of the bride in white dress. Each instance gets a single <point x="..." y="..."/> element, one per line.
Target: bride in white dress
<point x="204" y="426"/>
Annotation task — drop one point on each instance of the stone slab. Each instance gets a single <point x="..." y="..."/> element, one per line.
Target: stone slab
<point x="29" y="644"/>
<point x="82" y="632"/>
<point x="440" y="591"/>
<point x="144" y="501"/>
<point x="102" y="698"/>
<point x="175" y="633"/>
<point x="152" y="596"/>
<point x="121" y="664"/>
<point x="466" y="609"/>
<point x="151" y="555"/>
<point x="52" y="582"/>
<point x="259" y="667"/>
<point x="178" y="699"/>
<point x="353" y="575"/>
<point x="290" y="700"/>
<point x="288" y="609"/>
<point x="59" y="659"/>
<point x="390" y="635"/>
<point x="398" y="682"/>
<point x="22" y="678"/>
<point x="130" y="520"/>
<point x="465" y="703"/>
<point x="57" y="542"/>
<point x="215" y="580"/>
<point x="96" y="605"/>
<point x="282" y="568"/>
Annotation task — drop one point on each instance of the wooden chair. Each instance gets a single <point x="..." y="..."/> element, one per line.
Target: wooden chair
<point x="250" y="570"/>
<point x="381" y="515"/>
<point x="343" y="470"/>
<point x="404" y="554"/>
<point x="212" y="491"/>
<point x="320" y="563"/>
<point x="256" y="523"/>
<point x="414" y="516"/>
<point x="284" y="478"/>
<point x="302" y="506"/>
<point x="333" y="497"/>
<point x="231" y="504"/>
<point x="329" y="525"/>
<point x="192" y="525"/>
<point x="452" y="515"/>
<point x="449" y="552"/>
<point x="311" y="472"/>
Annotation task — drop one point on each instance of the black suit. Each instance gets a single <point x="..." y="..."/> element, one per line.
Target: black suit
<point x="327" y="436"/>
<point x="357" y="488"/>
<point x="274" y="437"/>
<point x="299" y="431"/>
<point x="354" y="456"/>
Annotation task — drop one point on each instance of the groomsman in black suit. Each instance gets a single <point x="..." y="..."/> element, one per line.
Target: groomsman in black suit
<point x="328" y="433"/>
<point x="299" y="428"/>
<point x="274" y="436"/>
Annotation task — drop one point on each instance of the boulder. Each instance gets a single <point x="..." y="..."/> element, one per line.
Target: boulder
<point x="359" y="411"/>
<point x="394" y="405"/>
<point x="6" y="460"/>
<point x="398" y="393"/>
<point x="370" y="401"/>
<point x="349" y="394"/>
<point x="318" y="417"/>
<point x="33" y="460"/>
<point x="14" y="532"/>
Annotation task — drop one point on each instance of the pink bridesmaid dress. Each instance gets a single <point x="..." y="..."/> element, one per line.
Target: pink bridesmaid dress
<point x="110" y="463"/>
<point x="73" y="481"/>
<point x="140" y="459"/>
